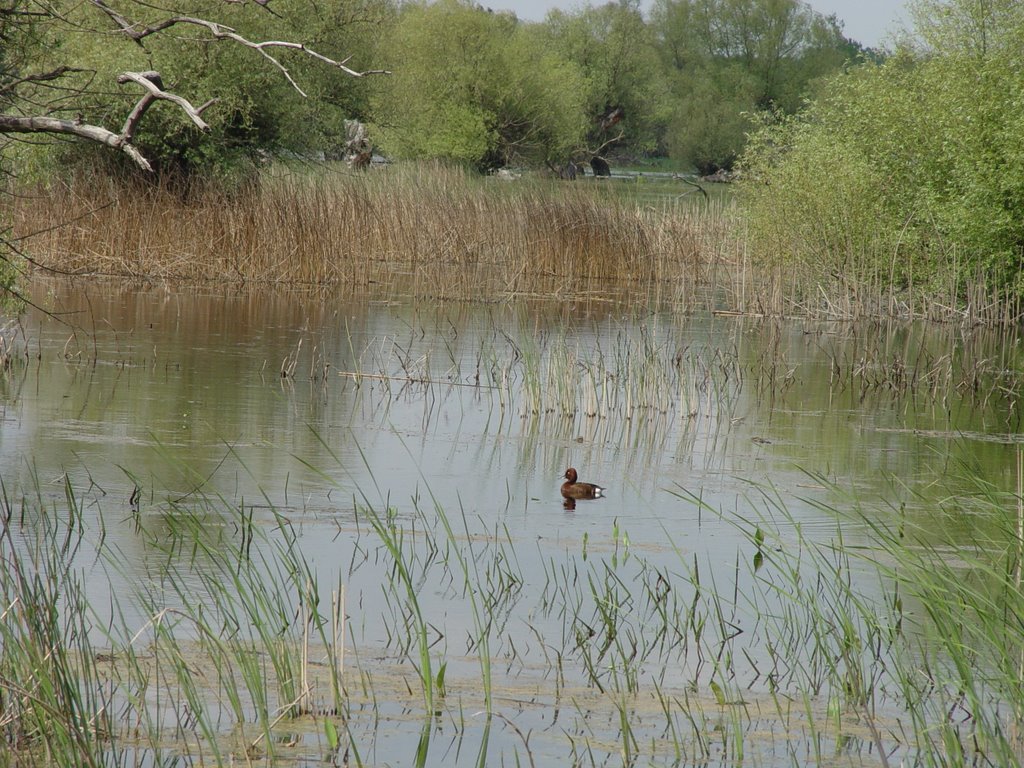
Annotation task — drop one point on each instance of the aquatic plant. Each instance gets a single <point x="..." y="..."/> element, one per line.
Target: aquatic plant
<point x="443" y="232"/>
<point x="876" y="631"/>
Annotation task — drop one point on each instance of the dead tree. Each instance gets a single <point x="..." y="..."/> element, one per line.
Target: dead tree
<point x="358" y="147"/>
<point x="586" y="156"/>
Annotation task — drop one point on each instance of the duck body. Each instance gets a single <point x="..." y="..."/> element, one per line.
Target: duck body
<point x="571" y="489"/>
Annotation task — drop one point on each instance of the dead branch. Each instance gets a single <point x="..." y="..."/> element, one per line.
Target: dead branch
<point x="41" y="77"/>
<point x="97" y="133"/>
<point x="153" y="84"/>
<point x="606" y="144"/>
<point x="122" y="141"/>
<point x="139" y="32"/>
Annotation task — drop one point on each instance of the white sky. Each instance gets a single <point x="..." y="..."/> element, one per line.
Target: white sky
<point x="866" y="21"/>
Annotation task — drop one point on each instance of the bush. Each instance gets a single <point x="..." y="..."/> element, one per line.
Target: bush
<point x="907" y="174"/>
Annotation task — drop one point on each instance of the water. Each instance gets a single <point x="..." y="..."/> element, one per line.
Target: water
<point x="316" y="407"/>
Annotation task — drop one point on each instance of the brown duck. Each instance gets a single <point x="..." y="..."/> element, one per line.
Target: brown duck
<point x="571" y="489"/>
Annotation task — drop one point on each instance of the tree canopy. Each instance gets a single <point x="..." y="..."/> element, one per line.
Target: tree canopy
<point x="726" y="60"/>
<point x="236" y="77"/>
<point x="183" y="87"/>
<point x="475" y="87"/>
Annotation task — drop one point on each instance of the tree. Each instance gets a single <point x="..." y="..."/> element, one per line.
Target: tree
<point x="475" y="87"/>
<point x="128" y="80"/>
<point x="612" y="46"/>
<point x="728" y="59"/>
<point x="975" y="28"/>
<point x="909" y="173"/>
<point x="712" y="116"/>
<point x="95" y="72"/>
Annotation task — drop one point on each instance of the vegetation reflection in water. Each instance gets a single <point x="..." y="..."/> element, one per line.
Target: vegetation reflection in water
<point x="798" y="617"/>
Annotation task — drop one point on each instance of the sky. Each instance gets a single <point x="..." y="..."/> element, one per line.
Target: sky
<point x="866" y="21"/>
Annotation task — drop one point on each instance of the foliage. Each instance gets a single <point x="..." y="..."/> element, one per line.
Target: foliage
<point x="487" y="89"/>
<point x="475" y="87"/>
<point x="469" y="85"/>
<point x="815" y="202"/>
<point x="729" y="58"/>
<point x="913" y="167"/>
<point x="61" y="63"/>
<point x="614" y="49"/>
<point x="256" y="108"/>
<point x="712" y="116"/>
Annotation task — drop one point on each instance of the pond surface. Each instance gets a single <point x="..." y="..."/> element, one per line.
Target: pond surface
<point x="316" y="408"/>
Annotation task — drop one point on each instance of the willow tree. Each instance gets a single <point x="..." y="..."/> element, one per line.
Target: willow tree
<point x="908" y="174"/>
<point x="475" y="87"/>
<point x="167" y="90"/>
<point x="613" y="47"/>
<point x="728" y="59"/>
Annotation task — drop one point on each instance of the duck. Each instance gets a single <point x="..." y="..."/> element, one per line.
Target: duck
<point x="571" y="489"/>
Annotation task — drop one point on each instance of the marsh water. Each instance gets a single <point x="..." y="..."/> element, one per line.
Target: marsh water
<point x="315" y="407"/>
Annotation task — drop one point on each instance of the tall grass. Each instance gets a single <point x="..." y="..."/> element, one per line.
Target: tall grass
<point x="445" y="232"/>
<point x="53" y="699"/>
<point x="439" y="232"/>
<point x="212" y="658"/>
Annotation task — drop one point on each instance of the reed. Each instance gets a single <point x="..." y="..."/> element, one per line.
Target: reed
<point x="53" y="699"/>
<point x="950" y="664"/>
<point x="416" y="628"/>
<point x="650" y="654"/>
<point x="852" y="289"/>
<point x="433" y="230"/>
<point x="439" y="232"/>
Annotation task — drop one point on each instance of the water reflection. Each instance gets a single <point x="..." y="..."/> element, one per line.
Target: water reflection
<point x="308" y="412"/>
<point x="285" y="396"/>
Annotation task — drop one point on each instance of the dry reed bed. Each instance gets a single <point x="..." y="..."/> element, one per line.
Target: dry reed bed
<point x="457" y="235"/>
<point x="441" y="233"/>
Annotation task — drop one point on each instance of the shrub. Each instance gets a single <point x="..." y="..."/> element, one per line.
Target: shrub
<point x="906" y="175"/>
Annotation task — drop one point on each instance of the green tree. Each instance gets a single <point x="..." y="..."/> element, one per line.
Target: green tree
<point x="69" y="66"/>
<point x="169" y="90"/>
<point x="613" y="47"/>
<point x="908" y="173"/>
<point x="475" y="87"/>
<point x="976" y="28"/>
<point x="712" y="116"/>
<point x="727" y="59"/>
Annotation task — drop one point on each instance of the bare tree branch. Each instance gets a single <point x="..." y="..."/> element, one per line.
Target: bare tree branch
<point x="606" y="144"/>
<point x="37" y="78"/>
<point x="139" y="32"/>
<point x="18" y="124"/>
<point x="152" y="82"/>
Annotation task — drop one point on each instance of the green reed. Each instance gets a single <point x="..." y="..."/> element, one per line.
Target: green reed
<point x="393" y="539"/>
<point x="234" y="645"/>
<point x="879" y="628"/>
<point x="478" y="601"/>
<point x="54" y="699"/>
<point x="952" y="665"/>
